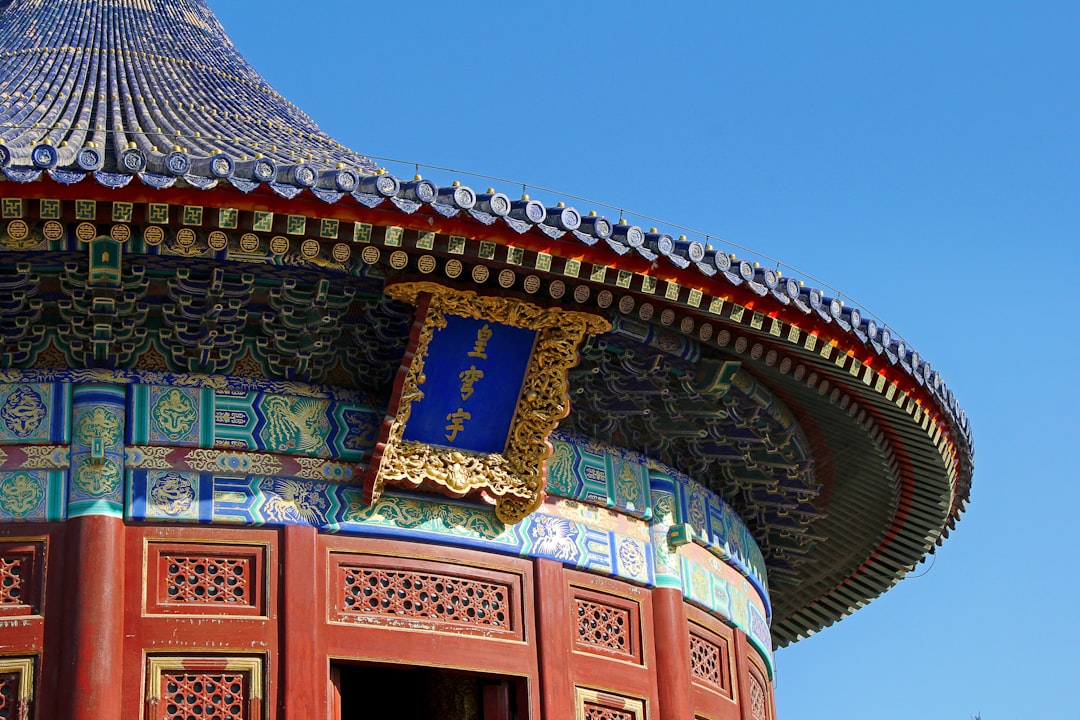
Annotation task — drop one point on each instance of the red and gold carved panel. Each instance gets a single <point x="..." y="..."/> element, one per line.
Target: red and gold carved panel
<point x="206" y="579"/>
<point x="16" y="688"/>
<point x="606" y="625"/>
<point x="596" y="705"/>
<point x="420" y="595"/>
<point x="21" y="565"/>
<point x="180" y="688"/>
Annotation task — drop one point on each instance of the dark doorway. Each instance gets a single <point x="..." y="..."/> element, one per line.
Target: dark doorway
<point x="419" y="693"/>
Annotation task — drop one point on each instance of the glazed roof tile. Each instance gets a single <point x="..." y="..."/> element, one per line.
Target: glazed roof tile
<point x="153" y="88"/>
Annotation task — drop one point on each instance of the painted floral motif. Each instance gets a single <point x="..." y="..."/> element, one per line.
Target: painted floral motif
<point x="295" y="425"/>
<point x="554" y="537"/>
<point x="98" y="423"/>
<point x="20" y="494"/>
<point x="96" y="479"/>
<point x="294" y="501"/>
<point x="23" y="411"/>
<point x="172" y="493"/>
<point x="174" y="414"/>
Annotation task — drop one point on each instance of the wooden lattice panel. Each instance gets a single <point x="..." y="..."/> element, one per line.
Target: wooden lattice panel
<point x="606" y="625"/>
<point x="20" y="577"/>
<point x="207" y="688"/>
<point x="213" y="696"/>
<point x="602" y="625"/>
<point x="706" y="661"/>
<point x="16" y="688"/>
<point x="712" y="673"/>
<point x="599" y="712"/>
<point x="428" y="596"/>
<point x="595" y="705"/>
<point x="9" y="695"/>
<point x="206" y="579"/>
<point x="443" y="598"/>
<point x="759" y="700"/>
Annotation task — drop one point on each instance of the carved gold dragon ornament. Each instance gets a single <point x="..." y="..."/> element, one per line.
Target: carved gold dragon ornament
<point x="513" y="479"/>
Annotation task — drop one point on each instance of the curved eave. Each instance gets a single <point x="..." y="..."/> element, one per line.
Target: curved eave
<point x="918" y="417"/>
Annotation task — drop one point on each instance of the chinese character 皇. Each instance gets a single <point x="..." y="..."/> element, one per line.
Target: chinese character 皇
<point x="468" y="379"/>
<point x="457" y="423"/>
<point x="480" y="348"/>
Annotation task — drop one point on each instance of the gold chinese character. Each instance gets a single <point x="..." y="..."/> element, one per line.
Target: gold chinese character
<point x="480" y="348"/>
<point x="457" y="423"/>
<point x="468" y="379"/>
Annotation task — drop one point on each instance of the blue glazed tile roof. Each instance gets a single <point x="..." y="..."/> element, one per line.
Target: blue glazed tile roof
<point x="153" y="87"/>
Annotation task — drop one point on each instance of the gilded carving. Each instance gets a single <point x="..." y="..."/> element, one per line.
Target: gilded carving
<point x="514" y="479"/>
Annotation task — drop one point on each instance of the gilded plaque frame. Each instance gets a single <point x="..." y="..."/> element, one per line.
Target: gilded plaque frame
<point x="514" y="478"/>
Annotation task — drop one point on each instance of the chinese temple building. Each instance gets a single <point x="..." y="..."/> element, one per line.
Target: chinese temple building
<point x="285" y="436"/>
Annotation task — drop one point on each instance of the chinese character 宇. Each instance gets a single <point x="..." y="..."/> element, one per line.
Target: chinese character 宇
<point x="457" y="423"/>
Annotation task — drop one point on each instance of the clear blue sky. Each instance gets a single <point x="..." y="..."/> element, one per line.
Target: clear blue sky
<point x="924" y="157"/>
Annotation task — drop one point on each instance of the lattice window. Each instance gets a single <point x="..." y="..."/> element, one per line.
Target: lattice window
<point x="603" y="625"/>
<point x="202" y="579"/>
<point x="599" y="712"/>
<point x="205" y="688"/>
<point x="213" y="696"/>
<point x="707" y="661"/>
<point x="20" y="577"/>
<point x="12" y="570"/>
<point x="759" y="706"/>
<point x="9" y="695"/>
<point x="216" y="578"/>
<point x="16" y="688"/>
<point x="595" y="705"/>
<point x="443" y="598"/>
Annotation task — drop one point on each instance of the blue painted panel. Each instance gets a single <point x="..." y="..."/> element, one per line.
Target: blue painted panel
<point x="474" y="371"/>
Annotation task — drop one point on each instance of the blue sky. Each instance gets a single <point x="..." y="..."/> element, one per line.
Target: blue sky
<point x="923" y="157"/>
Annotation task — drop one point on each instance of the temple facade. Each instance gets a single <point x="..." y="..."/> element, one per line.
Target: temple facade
<point x="285" y="436"/>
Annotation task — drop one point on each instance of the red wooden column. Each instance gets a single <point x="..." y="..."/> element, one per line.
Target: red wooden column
<point x="304" y="667"/>
<point x="553" y="625"/>
<point x="672" y="639"/>
<point x="93" y="641"/>
<point x="91" y="684"/>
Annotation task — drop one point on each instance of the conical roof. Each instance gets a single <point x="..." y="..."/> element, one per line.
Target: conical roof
<point x="153" y="87"/>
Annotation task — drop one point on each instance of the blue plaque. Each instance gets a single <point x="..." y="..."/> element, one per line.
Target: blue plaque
<point x="473" y="375"/>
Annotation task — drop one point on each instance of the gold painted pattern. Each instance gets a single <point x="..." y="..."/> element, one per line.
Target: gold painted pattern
<point x="514" y="479"/>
